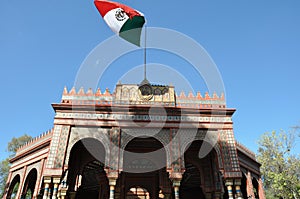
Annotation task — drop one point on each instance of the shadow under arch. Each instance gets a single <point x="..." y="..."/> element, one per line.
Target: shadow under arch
<point x="201" y="176"/>
<point x="30" y="183"/>
<point x="86" y="174"/>
<point x="142" y="167"/>
<point x="244" y="185"/>
<point x="13" y="187"/>
<point x="255" y="187"/>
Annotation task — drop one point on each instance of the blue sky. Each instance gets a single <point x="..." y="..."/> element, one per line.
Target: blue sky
<point x="255" y="45"/>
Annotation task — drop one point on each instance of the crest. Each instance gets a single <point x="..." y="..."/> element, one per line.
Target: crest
<point x="120" y="14"/>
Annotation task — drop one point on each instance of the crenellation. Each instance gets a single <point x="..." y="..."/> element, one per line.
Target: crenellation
<point x="81" y="91"/>
<point x="72" y="91"/>
<point x="191" y="95"/>
<point x="89" y="92"/>
<point x="130" y="95"/>
<point x="35" y="139"/>
<point x="199" y="96"/>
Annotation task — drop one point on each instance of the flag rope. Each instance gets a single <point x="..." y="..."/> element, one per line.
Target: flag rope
<point x="145" y="56"/>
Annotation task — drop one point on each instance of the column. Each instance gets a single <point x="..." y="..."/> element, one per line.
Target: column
<point x="176" y="191"/>
<point x="56" y="182"/>
<point x="21" y="185"/>
<point x="176" y="178"/>
<point x="238" y="191"/>
<point x="250" y="192"/>
<point x="8" y="182"/>
<point x="112" y="180"/>
<point x="229" y="184"/>
<point x="47" y="182"/>
<point x="112" y="184"/>
<point x="261" y="191"/>
<point x="63" y="193"/>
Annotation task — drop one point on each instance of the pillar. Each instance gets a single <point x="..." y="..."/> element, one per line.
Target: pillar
<point x="250" y="192"/>
<point x="47" y="182"/>
<point x="8" y="183"/>
<point x="176" y="191"/>
<point x="229" y="185"/>
<point x="261" y="191"/>
<point x="112" y="180"/>
<point x="22" y="181"/>
<point x="112" y="185"/>
<point x="56" y="182"/>
<point x="238" y="192"/>
<point x="176" y="179"/>
<point x="63" y="193"/>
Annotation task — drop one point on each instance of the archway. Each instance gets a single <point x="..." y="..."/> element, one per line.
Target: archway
<point x="13" y="187"/>
<point x="29" y="185"/>
<point x="244" y="185"/>
<point x="86" y="174"/>
<point x="255" y="187"/>
<point x="200" y="175"/>
<point x="191" y="183"/>
<point x="144" y="166"/>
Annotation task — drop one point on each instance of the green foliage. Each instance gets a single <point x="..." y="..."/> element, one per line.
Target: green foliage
<point x="280" y="167"/>
<point x="12" y="147"/>
<point x="15" y="143"/>
<point x="4" y="169"/>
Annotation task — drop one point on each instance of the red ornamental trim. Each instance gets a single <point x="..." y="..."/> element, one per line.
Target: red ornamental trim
<point x="106" y="6"/>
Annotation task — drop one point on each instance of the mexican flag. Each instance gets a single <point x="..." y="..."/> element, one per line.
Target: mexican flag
<point x="123" y="20"/>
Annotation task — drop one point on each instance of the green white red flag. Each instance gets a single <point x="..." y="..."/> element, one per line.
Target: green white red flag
<point x="122" y="19"/>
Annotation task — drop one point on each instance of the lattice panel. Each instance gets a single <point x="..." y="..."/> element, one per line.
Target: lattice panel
<point x="62" y="147"/>
<point x="54" y="146"/>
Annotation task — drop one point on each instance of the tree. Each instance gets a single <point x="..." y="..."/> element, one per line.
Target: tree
<point x="12" y="147"/>
<point x="15" y="143"/>
<point x="280" y="165"/>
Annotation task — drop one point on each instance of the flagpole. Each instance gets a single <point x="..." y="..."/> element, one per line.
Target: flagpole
<point x="145" y="57"/>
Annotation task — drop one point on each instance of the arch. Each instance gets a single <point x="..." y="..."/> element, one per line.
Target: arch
<point x="86" y="174"/>
<point x="13" y="187"/>
<point x="255" y="187"/>
<point x="144" y="166"/>
<point x="244" y="185"/>
<point x="30" y="184"/>
<point x="132" y="93"/>
<point x="201" y="175"/>
<point x="189" y="137"/>
<point x="162" y="136"/>
<point x="81" y="133"/>
<point x="142" y="152"/>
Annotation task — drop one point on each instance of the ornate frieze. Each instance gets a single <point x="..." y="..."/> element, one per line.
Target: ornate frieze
<point x="115" y="116"/>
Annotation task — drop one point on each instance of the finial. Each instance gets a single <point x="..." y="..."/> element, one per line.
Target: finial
<point x="190" y="95"/>
<point x="182" y="94"/>
<point x="215" y="96"/>
<point x="107" y="92"/>
<point x="73" y="91"/>
<point x="207" y="97"/>
<point x="81" y="91"/>
<point x="98" y="92"/>
<point x="89" y="92"/>
<point x="199" y="96"/>
<point x="65" y="92"/>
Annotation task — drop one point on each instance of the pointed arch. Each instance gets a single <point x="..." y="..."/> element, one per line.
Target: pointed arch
<point x="86" y="174"/>
<point x="13" y="187"/>
<point x="30" y="184"/>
